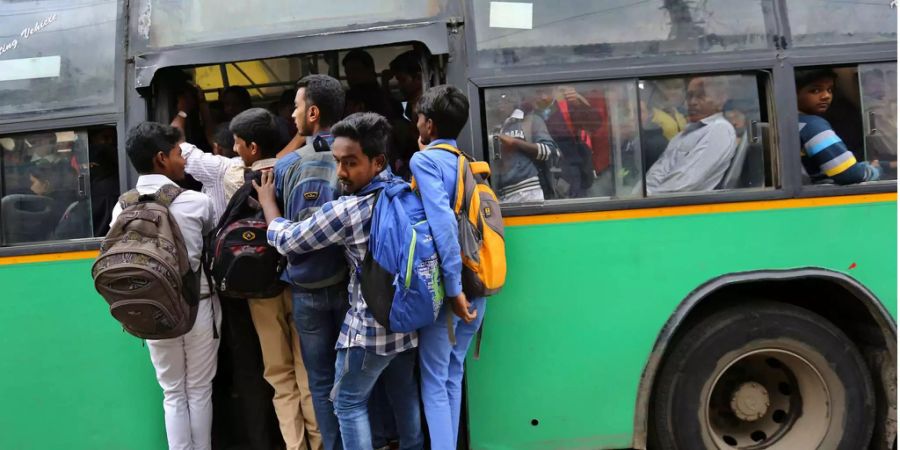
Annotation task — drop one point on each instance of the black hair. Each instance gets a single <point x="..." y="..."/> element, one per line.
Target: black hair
<point x="60" y="176"/>
<point x="241" y="94"/>
<point x="146" y="140"/>
<point x="370" y="130"/>
<point x="257" y="125"/>
<point x="361" y="56"/>
<point x="327" y="94"/>
<point x="447" y="107"/>
<point x="408" y="63"/>
<point x="224" y="137"/>
<point x="806" y="77"/>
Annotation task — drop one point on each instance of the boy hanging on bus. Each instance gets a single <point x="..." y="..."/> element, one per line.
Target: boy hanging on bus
<point x="824" y="154"/>
<point x="365" y="348"/>
<point x="443" y="112"/>
<point x="185" y="366"/>
<point x="257" y="141"/>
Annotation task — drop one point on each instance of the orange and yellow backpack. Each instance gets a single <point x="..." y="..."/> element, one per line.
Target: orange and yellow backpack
<point x="480" y="226"/>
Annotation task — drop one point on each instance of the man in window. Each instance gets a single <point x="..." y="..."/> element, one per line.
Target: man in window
<point x="697" y="158"/>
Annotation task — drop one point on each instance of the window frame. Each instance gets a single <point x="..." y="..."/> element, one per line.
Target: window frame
<point x="780" y="62"/>
<point x="113" y="115"/>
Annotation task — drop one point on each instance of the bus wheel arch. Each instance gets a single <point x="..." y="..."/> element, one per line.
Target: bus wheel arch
<point x="842" y="300"/>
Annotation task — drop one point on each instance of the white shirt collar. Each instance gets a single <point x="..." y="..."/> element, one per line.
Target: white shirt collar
<point x="517" y="114"/>
<point x="153" y="181"/>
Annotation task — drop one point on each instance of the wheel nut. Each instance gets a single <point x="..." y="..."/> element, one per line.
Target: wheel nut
<point x="750" y="401"/>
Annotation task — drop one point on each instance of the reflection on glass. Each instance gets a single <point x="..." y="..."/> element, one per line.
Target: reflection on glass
<point x="45" y="187"/>
<point x="878" y="85"/>
<point x="56" y="54"/>
<point x="816" y="22"/>
<point x="701" y="134"/>
<point x="164" y="23"/>
<point x="562" y="141"/>
<point x="567" y="31"/>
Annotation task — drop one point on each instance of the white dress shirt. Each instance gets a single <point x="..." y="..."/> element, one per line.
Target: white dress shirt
<point x="695" y="159"/>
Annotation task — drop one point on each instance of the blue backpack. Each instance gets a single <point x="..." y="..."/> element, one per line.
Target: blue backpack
<point x="308" y="184"/>
<point x="400" y="275"/>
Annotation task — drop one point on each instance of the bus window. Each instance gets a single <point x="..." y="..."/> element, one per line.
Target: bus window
<point x="563" y="141"/>
<point x="818" y="22"/>
<point x="878" y="86"/>
<point x="166" y="23"/>
<point x="702" y="134"/>
<point x="44" y="62"/>
<point x="57" y="185"/>
<point x="549" y="32"/>
<point x="842" y="140"/>
<point x="622" y="139"/>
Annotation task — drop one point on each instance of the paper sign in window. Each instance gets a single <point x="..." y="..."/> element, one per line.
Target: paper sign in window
<point x="512" y="15"/>
<point x="29" y="68"/>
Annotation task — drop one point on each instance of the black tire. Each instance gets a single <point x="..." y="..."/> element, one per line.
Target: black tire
<point x="696" y="371"/>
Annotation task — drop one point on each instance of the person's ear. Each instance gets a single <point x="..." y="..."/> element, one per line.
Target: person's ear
<point x="380" y="162"/>
<point x="430" y="127"/>
<point x="160" y="160"/>
<point x="313" y="113"/>
<point x="253" y="148"/>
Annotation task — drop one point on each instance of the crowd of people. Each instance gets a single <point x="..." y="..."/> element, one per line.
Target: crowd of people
<point x="340" y="378"/>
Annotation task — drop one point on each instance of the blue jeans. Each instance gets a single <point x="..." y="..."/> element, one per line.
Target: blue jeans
<point x="357" y="371"/>
<point x="441" y="366"/>
<point x="318" y="315"/>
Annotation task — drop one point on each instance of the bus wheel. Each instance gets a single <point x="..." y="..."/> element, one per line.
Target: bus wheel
<point x="763" y="375"/>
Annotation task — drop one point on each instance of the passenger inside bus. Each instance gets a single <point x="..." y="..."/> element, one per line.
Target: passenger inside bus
<point x="697" y="158"/>
<point x="825" y="156"/>
<point x="747" y="166"/>
<point x="104" y="169"/>
<point x="879" y="100"/>
<point x="407" y="70"/>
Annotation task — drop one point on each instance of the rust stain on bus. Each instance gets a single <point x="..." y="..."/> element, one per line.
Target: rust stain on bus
<point x="669" y="211"/>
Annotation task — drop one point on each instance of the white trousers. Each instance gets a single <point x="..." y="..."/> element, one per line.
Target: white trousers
<point x="185" y="367"/>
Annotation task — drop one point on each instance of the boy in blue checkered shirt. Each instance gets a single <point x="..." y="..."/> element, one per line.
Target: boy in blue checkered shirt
<point x="365" y="348"/>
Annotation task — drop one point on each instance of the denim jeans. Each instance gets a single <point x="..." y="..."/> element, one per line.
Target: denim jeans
<point x="441" y="365"/>
<point x="357" y="371"/>
<point x="318" y="315"/>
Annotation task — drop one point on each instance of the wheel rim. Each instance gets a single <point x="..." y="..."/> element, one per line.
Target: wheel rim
<point x="768" y="398"/>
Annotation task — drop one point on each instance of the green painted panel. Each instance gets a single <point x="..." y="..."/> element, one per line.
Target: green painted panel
<point x="566" y="342"/>
<point x="69" y="376"/>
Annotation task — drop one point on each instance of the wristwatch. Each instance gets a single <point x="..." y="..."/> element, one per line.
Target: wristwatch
<point x="182" y="114"/>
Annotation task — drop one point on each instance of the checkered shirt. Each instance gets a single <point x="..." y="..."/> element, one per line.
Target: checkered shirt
<point x="345" y="221"/>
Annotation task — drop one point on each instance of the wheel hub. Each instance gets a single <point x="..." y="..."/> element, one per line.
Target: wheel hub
<point x="750" y="401"/>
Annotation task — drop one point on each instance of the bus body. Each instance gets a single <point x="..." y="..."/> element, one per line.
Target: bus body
<point x="604" y="285"/>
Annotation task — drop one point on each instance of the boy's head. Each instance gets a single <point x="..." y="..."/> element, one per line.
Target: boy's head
<point x="443" y="112"/>
<point x="49" y="178"/>
<point x="359" y="67"/>
<point x="815" y="90"/>
<point x="255" y="135"/>
<point x="360" y="149"/>
<point x="319" y="103"/>
<point x="235" y="99"/>
<point x="408" y="72"/>
<point x="223" y="141"/>
<point x="153" y="149"/>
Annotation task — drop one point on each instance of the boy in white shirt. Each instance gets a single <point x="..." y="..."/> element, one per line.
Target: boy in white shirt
<point x="185" y="366"/>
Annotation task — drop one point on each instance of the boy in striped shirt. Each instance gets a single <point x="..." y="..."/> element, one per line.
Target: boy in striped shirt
<point x="823" y="153"/>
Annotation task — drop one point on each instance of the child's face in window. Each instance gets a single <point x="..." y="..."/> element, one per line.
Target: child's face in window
<point x="354" y="168"/>
<point x="815" y="98"/>
<point x="38" y="186"/>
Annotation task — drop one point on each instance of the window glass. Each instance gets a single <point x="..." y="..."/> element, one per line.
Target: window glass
<point x="568" y="31"/>
<point x="56" y="55"/>
<point x="627" y="139"/>
<point x="57" y="185"/>
<point x="878" y="84"/>
<point x="842" y="139"/>
<point x="815" y="22"/>
<point x="166" y="23"/>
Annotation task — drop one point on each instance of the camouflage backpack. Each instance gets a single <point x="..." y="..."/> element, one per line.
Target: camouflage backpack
<point x="143" y="270"/>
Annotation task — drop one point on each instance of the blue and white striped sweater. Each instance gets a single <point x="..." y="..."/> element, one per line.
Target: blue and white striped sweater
<point x="824" y="154"/>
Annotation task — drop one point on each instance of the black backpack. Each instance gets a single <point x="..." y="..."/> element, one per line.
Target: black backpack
<point x="240" y="260"/>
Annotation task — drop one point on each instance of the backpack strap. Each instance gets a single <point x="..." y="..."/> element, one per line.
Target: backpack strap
<point x="130" y="198"/>
<point x="165" y="195"/>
